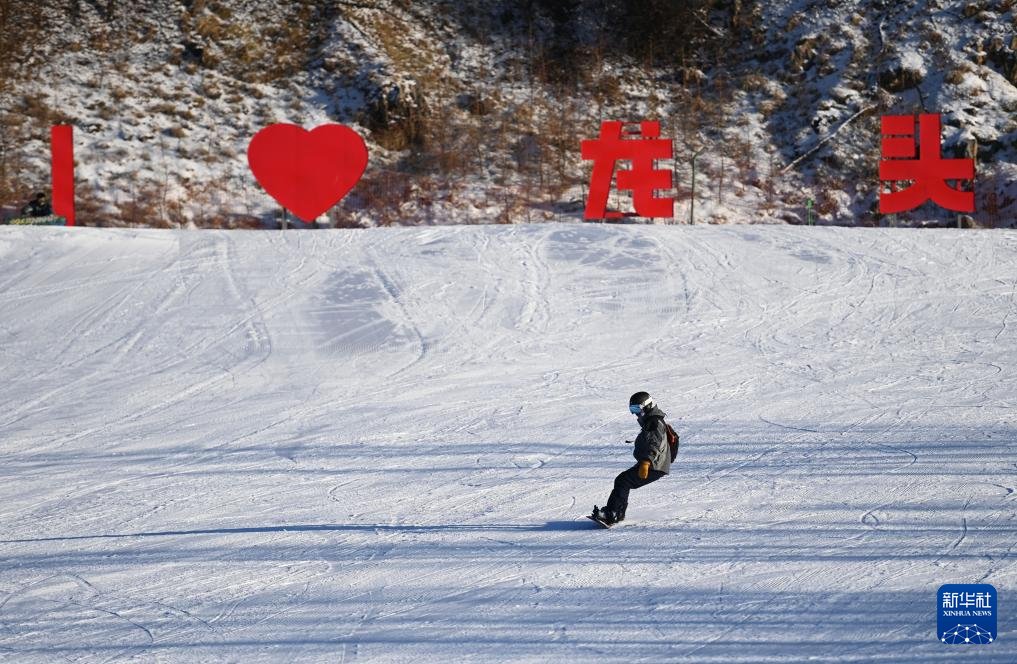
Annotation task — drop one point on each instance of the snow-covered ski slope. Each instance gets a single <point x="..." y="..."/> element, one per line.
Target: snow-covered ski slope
<point x="379" y="445"/>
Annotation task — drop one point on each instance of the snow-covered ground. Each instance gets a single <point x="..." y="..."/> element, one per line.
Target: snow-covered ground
<point x="379" y="445"/>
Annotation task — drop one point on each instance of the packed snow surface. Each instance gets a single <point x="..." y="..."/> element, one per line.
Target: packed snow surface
<point x="379" y="445"/>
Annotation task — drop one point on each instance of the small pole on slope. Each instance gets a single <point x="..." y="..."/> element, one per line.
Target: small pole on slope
<point x="692" y="201"/>
<point x="811" y="219"/>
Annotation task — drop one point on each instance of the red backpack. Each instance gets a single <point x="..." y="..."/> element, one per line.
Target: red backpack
<point x="672" y="441"/>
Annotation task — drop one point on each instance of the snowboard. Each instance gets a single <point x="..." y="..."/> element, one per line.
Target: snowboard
<point x="602" y="524"/>
<point x="49" y="220"/>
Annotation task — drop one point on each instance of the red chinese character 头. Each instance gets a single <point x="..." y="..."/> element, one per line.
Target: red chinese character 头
<point x="642" y="179"/>
<point x="929" y="172"/>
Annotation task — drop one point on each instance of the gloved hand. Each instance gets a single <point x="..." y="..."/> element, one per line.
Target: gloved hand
<point x="644" y="469"/>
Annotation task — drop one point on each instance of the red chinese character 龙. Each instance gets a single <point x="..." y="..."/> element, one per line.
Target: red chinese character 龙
<point x="929" y="172"/>
<point x="642" y="179"/>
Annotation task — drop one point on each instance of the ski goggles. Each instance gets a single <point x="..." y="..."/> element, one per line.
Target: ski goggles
<point x="635" y="409"/>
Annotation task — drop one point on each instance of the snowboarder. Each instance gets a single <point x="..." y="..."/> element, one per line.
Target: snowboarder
<point x="651" y="452"/>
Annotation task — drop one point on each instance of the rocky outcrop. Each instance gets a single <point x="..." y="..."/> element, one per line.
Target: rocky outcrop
<point x="396" y="115"/>
<point x="902" y="72"/>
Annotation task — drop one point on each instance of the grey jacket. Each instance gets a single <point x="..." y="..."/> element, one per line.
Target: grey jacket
<point x="651" y="443"/>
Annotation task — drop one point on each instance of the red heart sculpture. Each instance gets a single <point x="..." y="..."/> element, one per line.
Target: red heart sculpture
<point x="307" y="172"/>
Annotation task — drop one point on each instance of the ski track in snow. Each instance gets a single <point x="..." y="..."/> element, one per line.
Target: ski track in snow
<point x="380" y="445"/>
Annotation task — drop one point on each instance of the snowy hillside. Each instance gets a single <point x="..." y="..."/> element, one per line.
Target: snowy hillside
<point x="379" y="446"/>
<point x="474" y="111"/>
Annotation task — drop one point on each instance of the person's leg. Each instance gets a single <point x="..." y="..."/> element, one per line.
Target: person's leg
<point x="627" y="480"/>
<point x="619" y="498"/>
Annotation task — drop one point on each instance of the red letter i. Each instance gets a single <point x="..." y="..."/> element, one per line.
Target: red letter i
<point x="62" y="147"/>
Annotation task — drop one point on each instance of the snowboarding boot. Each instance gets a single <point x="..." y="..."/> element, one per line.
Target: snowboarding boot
<point x="605" y="515"/>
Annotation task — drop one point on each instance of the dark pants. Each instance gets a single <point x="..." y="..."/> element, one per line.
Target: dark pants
<point x="625" y="482"/>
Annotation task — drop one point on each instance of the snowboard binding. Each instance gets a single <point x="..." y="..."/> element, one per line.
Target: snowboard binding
<point x="603" y="517"/>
